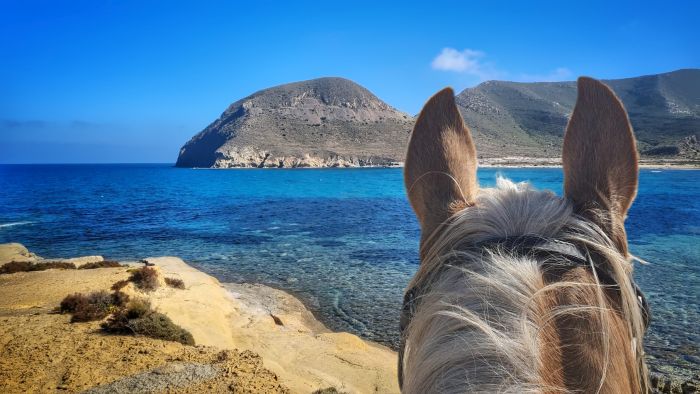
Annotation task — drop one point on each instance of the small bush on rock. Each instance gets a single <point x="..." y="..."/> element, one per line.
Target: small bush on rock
<point x="94" y="306"/>
<point x="328" y="390"/>
<point x="26" y="266"/>
<point x="145" y="278"/>
<point x="100" y="264"/>
<point x="159" y="326"/>
<point x="71" y="302"/>
<point x="138" y="308"/>
<point x="120" y="284"/>
<point x="175" y="282"/>
<point x="138" y="318"/>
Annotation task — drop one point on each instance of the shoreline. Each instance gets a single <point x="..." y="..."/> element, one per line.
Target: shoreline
<point x="515" y="162"/>
<point x="273" y="327"/>
<point x="256" y="326"/>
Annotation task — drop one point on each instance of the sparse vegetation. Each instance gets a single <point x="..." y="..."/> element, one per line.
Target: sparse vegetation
<point x="145" y="278"/>
<point x="138" y="318"/>
<point x="94" y="306"/>
<point x="120" y="284"/>
<point x="175" y="283"/>
<point x="100" y="264"/>
<point x="328" y="390"/>
<point x="27" y="266"/>
<point x="159" y="326"/>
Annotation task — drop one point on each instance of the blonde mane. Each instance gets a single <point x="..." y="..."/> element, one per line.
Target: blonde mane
<point x="488" y="317"/>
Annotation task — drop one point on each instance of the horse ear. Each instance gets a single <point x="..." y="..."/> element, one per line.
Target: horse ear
<point x="440" y="167"/>
<point x="600" y="159"/>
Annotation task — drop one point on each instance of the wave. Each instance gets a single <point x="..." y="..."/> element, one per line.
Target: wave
<point x="12" y="224"/>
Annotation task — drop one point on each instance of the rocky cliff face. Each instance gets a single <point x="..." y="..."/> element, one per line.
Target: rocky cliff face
<point x="326" y="122"/>
<point x="528" y="119"/>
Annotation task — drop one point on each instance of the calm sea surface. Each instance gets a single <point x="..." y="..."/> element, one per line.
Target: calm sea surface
<point x="345" y="241"/>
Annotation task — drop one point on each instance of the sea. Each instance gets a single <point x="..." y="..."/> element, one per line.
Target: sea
<point x="344" y="241"/>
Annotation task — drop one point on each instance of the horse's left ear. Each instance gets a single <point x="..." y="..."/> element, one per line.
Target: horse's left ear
<point x="600" y="159"/>
<point x="440" y="168"/>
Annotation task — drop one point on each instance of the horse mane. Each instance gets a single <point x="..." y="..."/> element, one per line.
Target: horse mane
<point x="488" y="319"/>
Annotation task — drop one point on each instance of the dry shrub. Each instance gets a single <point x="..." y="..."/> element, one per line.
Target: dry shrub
<point x="175" y="282"/>
<point x="26" y="266"/>
<point x="328" y="390"/>
<point x="159" y="326"/>
<point x="120" y="284"/>
<point x="94" y="306"/>
<point x="100" y="264"/>
<point x="145" y="278"/>
<point x="71" y="302"/>
<point x="119" y="298"/>
<point x="138" y="318"/>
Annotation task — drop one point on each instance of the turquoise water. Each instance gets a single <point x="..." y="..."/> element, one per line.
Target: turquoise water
<point x="343" y="240"/>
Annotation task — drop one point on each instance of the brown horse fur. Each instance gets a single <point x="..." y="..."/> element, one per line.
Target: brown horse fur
<point x="492" y="321"/>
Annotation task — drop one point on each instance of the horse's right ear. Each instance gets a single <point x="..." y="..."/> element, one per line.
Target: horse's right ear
<point x="440" y="168"/>
<point x="600" y="159"/>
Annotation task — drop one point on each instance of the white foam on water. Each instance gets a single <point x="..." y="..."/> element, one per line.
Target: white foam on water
<point x="12" y="224"/>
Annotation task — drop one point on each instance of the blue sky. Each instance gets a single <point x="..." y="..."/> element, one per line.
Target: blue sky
<point x="121" y="81"/>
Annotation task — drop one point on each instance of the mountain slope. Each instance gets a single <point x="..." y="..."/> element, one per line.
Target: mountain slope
<point x="528" y="119"/>
<point x="318" y="123"/>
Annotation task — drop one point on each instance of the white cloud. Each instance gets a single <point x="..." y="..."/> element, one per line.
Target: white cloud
<point x="466" y="61"/>
<point x="473" y="62"/>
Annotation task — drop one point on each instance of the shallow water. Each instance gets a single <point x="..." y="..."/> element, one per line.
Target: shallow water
<point x="344" y="240"/>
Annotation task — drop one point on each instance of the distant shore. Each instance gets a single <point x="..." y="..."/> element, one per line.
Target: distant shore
<point x="499" y="162"/>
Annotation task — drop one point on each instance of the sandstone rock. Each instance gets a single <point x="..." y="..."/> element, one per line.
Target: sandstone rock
<point x="15" y="252"/>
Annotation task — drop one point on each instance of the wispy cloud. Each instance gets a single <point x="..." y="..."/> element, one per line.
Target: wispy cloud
<point x="467" y="61"/>
<point x="475" y="63"/>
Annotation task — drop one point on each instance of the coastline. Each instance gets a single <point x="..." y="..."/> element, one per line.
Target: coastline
<point x="248" y="337"/>
<point x="262" y="329"/>
<point x="500" y="162"/>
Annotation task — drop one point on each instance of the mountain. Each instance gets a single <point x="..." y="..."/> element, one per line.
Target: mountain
<point x="528" y="119"/>
<point x="331" y="122"/>
<point x="324" y="122"/>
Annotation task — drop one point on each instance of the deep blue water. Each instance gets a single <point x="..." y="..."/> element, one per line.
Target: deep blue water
<point x="343" y="240"/>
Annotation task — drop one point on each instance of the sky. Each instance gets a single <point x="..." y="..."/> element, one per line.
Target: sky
<point x="132" y="81"/>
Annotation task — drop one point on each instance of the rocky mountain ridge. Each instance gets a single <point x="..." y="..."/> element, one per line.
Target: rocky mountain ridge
<point x="334" y="122"/>
<point x="326" y="122"/>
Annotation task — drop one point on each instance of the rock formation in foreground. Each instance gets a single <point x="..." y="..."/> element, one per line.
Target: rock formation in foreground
<point x="326" y="122"/>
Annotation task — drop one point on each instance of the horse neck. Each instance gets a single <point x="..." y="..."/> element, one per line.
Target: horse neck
<point x="588" y="350"/>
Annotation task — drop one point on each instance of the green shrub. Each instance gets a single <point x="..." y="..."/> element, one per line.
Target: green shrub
<point x="145" y="278"/>
<point x="137" y="308"/>
<point x="138" y="318"/>
<point x="175" y="282"/>
<point x="26" y="266"/>
<point x="159" y="326"/>
<point x="100" y="264"/>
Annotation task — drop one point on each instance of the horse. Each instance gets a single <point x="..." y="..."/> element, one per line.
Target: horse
<point x="520" y="290"/>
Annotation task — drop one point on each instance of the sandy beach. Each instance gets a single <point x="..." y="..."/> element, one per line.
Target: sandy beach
<point x="248" y="337"/>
